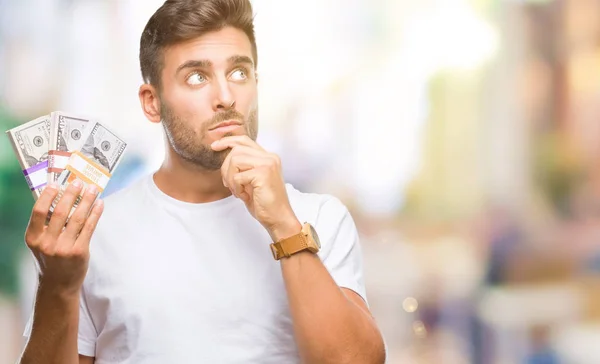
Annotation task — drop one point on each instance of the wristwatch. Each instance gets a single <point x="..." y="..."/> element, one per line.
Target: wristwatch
<point x="307" y="239"/>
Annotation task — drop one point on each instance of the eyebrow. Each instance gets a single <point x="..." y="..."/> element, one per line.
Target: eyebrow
<point x="240" y="59"/>
<point x="194" y="64"/>
<point x="206" y="63"/>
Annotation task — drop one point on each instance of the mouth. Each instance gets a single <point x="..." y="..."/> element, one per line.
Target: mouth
<point x="230" y="124"/>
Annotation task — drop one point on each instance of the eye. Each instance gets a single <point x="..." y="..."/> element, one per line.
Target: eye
<point x="239" y="74"/>
<point x="195" y="79"/>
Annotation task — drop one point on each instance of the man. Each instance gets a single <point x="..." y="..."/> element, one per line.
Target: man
<point x="209" y="260"/>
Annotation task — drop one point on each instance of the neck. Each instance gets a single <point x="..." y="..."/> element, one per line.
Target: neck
<point x="185" y="181"/>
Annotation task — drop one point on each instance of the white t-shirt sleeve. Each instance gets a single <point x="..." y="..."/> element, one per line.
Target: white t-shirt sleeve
<point x="340" y="247"/>
<point x="87" y="335"/>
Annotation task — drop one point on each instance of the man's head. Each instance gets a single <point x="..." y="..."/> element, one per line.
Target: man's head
<point x="198" y="61"/>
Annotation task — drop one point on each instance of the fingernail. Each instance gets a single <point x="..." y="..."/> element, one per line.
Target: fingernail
<point x="92" y="189"/>
<point x="213" y="144"/>
<point x="52" y="185"/>
<point x="77" y="183"/>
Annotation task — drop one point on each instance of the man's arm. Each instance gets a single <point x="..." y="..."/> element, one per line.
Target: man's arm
<point x="331" y="324"/>
<point x="53" y="336"/>
<point x="62" y="251"/>
<point x="85" y="360"/>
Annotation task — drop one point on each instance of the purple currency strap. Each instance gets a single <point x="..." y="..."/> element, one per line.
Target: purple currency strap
<point x="29" y="171"/>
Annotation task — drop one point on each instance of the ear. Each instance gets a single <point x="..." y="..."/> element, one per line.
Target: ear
<point x="150" y="102"/>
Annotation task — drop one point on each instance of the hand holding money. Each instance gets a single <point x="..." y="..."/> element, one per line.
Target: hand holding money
<point x="62" y="251"/>
<point x="93" y="164"/>
<point x="76" y="157"/>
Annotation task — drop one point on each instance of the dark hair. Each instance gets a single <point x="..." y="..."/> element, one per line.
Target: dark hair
<point x="181" y="20"/>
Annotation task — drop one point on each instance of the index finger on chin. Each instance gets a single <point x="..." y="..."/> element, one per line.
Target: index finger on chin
<point x="235" y="140"/>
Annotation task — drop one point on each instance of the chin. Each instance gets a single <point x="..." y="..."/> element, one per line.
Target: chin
<point x="231" y="133"/>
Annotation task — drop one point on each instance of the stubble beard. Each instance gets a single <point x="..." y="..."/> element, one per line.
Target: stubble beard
<point x="187" y="142"/>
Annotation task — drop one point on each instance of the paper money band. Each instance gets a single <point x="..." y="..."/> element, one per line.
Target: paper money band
<point x="57" y="160"/>
<point x="86" y="170"/>
<point x="36" y="176"/>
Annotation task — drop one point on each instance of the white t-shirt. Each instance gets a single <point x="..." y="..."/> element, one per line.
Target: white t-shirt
<point x="176" y="282"/>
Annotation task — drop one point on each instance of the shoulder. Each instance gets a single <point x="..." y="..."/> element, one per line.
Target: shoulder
<point x="333" y="222"/>
<point x="316" y="207"/>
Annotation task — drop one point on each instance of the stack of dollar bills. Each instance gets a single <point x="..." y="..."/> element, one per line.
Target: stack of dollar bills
<point x="61" y="147"/>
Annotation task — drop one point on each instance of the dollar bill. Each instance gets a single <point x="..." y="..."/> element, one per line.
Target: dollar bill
<point x="30" y="142"/>
<point x="67" y="134"/>
<point x="93" y="164"/>
<point x="104" y="147"/>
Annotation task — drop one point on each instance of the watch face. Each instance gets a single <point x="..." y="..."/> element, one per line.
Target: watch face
<point x="313" y="232"/>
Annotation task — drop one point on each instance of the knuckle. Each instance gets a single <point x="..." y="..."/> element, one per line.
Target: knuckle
<point x="98" y="210"/>
<point x="78" y="253"/>
<point x="48" y="192"/>
<point x="30" y="239"/>
<point x="38" y="211"/>
<point x="274" y="158"/>
<point x="232" y="182"/>
<point x="60" y="213"/>
<point x="232" y="153"/>
<point x="86" y="234"/>
<point x="77" y="219"/>
<point x="68" y="254"/>
<point x="61" y="253"/>
<point x="90" y="197"/>
<point x="89" y="227"/>
<point x="87" y="230"/>
<point x="274" y="161"/>
<point x="48" y="248"/>
<point x="277" y="159"/>
<point x="84" y="199"/>
<point x="69" y="195"/>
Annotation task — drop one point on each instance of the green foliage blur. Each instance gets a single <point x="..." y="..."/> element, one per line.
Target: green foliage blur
<point x="16" y="202"/>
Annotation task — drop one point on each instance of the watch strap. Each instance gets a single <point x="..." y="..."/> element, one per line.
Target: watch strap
<point x="288" y="246"/>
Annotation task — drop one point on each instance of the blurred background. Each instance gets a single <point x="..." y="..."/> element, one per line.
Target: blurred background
<point x="464" y="136"/>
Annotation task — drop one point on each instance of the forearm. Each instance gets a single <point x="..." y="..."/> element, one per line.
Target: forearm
<point x="53" y="337"/>
<point x="329" y="327"/>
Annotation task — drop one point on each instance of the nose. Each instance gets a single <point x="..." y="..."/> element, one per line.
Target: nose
<point x="224" y="99"/>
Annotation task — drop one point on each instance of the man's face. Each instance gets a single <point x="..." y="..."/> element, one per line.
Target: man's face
<point x="207" y="82"/>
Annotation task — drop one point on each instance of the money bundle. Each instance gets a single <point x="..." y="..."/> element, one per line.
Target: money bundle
<point x="67" y="134"/>
<point x="94" y="163"/>
<point x="30" y="142"/>
<point x="60" y="147"/>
